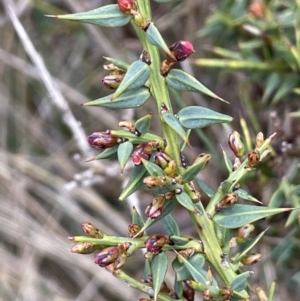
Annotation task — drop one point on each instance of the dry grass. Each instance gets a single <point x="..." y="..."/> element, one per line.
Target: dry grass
<point x="47" y="69"/>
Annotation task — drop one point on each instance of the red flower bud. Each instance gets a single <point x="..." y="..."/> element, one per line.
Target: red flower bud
<point x="155" y="208"/>
<point x="257" y="9"/>
<point x="107" y="256"/>
<point x="253" y="158"/>
<point x="144" y="151"/>
<point x="188" y="292"/>
<point x="91" y="230"/>
<point x="155" y="243"/>
<point x="126" y="6"/>
<point x="102" y="140"/>
<point x="180" y="50"/>
<point x="229" y="200"/>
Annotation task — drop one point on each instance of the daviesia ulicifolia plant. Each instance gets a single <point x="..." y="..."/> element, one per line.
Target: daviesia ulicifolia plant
<point x="160" y="168"/>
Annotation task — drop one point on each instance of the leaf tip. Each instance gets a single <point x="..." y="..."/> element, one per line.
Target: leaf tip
<point x="51" y="16"/>
<point x="89" y="160"/>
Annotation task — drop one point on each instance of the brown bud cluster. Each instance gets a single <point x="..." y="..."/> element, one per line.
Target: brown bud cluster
<point x="143" y="150"/>
<point x="107" y="256"/>
<point x="91" y="230"/>
<point x="226" y="292"/>
<point x="251" y="259"/>
<point x="154" y="210"/>
<point x="244" y="233"/>
<point x="229" y="200"/>
<point x="156" y="242"/>
<point x="236" y="144"/>
<point x="133" y="230"/>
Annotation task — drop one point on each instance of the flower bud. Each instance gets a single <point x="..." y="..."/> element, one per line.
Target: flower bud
<point x="180" y="50"/>
<point x="253" y="158"/>
<point x="153" y="182"/>
<point x="188" y="292"/>
<point x="236" y="144"/>
<point x="251" y="259"/>
<point x="143" y="150"/>
<point x="187" y="252"/>
<point x="130" y="126"/>
<point x="171" y="169"/>
<point x="127" y="6"/>
<point x="259" y="140"/>
<point x="228" y="200"/>
<point x="154" y="210"/>
<point x="112" y="81"/>
<point x="162" y="159"/>
<point x="102" y="140"/>
<point x="237" y="163"/>
<point x="107" y="256"/>
<point x="156" y="242"/>
<point x="134" y="229"/>
<point x="207" y="295"/>
<point x="256" y="8"/>
<point x="226" y="292"/>
<point x="261" y="294"/>
<point x="91" y="230"/>
<point x="120" y="262"/>
<point x="84" y="248"/>
<point x="244" y="233"/>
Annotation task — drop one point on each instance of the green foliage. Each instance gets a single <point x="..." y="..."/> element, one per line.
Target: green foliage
<point x="170" y="180"/>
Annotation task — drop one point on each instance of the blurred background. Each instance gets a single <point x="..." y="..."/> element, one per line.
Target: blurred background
<point x="247" y="52"/>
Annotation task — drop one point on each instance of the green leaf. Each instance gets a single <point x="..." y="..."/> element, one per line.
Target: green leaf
<point x="118" y="63"/>
<point x="143" y="124"/>
<point x="170" y="225"/>
<point x="272" y="84"/>
<point x="107" y="153"/>
<point x="194" y="267"/>
<point x="192" y="171"/>
<point x="271" y="291"/>
<point x="241" y="281"/>
<point x="238" y="215"/>
<point x="243" y="194"/>
<point x="154" y="37"/>
<point x="182" y="273"/>
<point x="153" y="169"/>
<point x="227" y="161"/>
<point x="198" y="117"/>
<point x="147" y="269"/>
<point x="173" y="122"/>
<point x="136" y="218"/>
<point x="130" y="99"/>
<point x="134" y="183"/>
<point x="109" y="15"/>
<point x="184" y="199"/>
<point x="159" y="266"/>
<point x="205" y="188"/>
<point x="124" y="151"/>
<point x="178" y="287"/>
<point x="135" y="77"/>
<point x="180" y="80"/>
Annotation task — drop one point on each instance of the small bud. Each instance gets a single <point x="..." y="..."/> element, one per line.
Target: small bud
<point x="180" y="50"/>
<point x="237" y="163"/>
<point x="154" y="210"/>
<point x="120" y="262"/>
<point x="169" y="195"/>
<point x="140" y="20"/>
<point x="133" y="229"/>
<point x="259" y="140"/>
<point x="145" y="57"/>
<point x="261" y="294"/>
<point x="253" y="158"/>
<point x="130" y="126"/>
<point x="127" y="6"/>
<point x="257" y="10"/>
<point x="84" y="248"/>
<point x="229" y="200"/>
<point x="187" y="252"/>
<point x="244" y="233"/>
<point x="112" y="81"/>
<point x="251" y="259"/>
<point x="171" y="169"/>
<point x="107" y="256"/>
<point x="114" y="69"/>
<point x="162" y="159"/>
<point x="91" y="230"/>
<point x="226" y="293"/>
<point x="209" y="277"/>
<point x="183" y="160"/>
<point x="188" y="292"/>
<point x="236" y="144"/>
<point x="207" y="295"/>
<point x="143" y="150"/>
<point x="153" y="182"/>
<point x="102" y="140"/>
<point x="232" y="242"/>
<point x="156" y="242"/>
